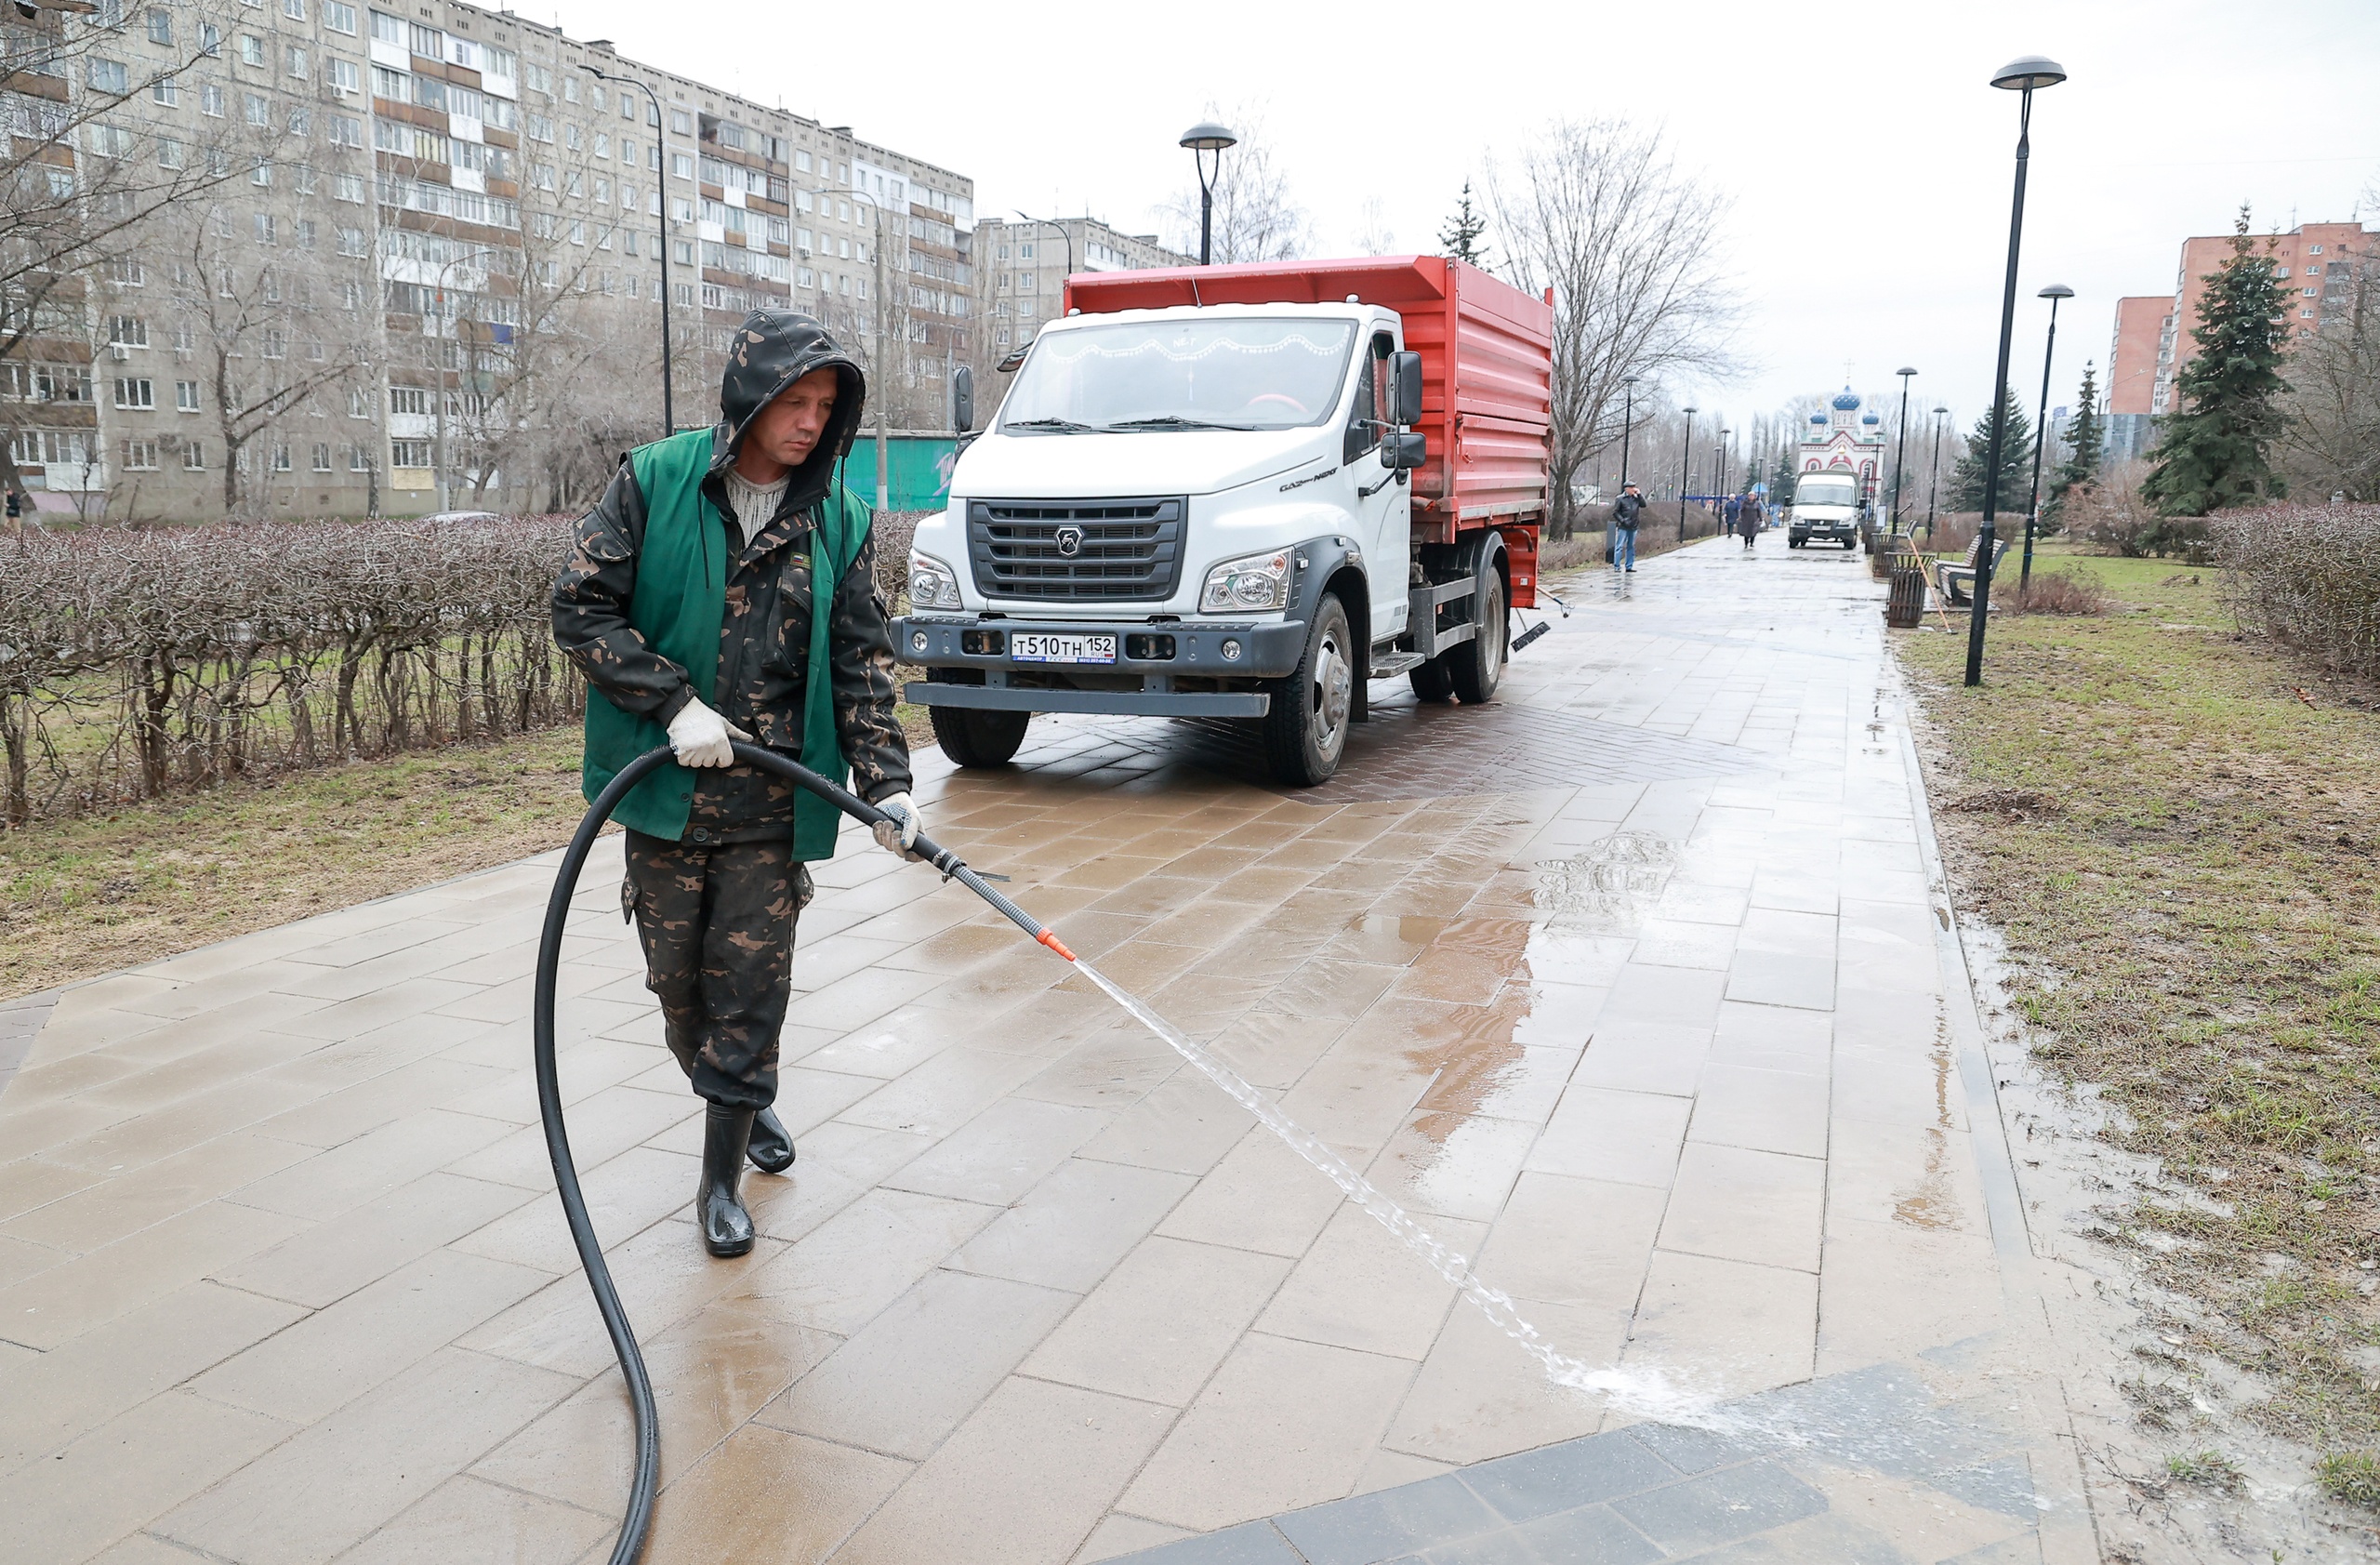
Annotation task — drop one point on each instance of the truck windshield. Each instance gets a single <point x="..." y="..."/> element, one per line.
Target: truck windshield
<point x="1182" y="374"/>
<point x="1826" y="491"/>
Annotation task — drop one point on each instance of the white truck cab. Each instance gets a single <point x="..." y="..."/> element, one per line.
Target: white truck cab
<point x="1174" y="508"/>
<point x="1826" y="505"/>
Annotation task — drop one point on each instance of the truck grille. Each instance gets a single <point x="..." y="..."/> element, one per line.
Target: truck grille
<point x="1077" y="551"/>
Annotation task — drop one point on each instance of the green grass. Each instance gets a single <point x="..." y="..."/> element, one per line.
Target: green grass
<point x="2351" y="1475"/>
<point x="2182" y="851"/>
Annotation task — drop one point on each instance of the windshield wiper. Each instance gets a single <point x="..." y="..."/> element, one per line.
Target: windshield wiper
<point x="1173" y="422"/>
<point x="1054" y="426"/>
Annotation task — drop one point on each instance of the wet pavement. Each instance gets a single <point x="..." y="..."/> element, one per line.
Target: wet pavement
<point x="1636" y="986"/>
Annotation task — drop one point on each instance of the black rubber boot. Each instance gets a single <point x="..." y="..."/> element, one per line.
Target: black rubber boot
<point x="727" y="1227"/>
<point x="771" y="1149"/>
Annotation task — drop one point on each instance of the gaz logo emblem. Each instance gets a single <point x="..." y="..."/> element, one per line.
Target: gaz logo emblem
<point x="1069" y="541"/>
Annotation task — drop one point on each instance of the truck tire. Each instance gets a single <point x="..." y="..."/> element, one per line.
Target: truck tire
<point x="1305" y="731"/>
<point x="1432" y="681"/>
<point x="978" y="738"/>
<point x="1478" y="665"/>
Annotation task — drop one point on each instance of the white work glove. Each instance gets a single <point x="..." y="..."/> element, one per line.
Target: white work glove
<point x="699" y="737"/>
<point x="899" y="834"/>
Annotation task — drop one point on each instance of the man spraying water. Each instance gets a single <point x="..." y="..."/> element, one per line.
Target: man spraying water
<point x="725" y="589"/>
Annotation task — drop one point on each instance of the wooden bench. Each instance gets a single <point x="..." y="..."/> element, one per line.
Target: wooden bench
<point x="1947" y="577"/>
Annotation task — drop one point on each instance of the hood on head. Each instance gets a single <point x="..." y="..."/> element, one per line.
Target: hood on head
<point x="771" y="351"/>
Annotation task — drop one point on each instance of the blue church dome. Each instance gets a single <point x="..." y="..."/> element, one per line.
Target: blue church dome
<point x="1871" y="419"/>
<point x="1817" y="417"/>
<point x="1846" y="400"/>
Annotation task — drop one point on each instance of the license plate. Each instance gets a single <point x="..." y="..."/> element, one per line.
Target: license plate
<point x="1039" y="648"/>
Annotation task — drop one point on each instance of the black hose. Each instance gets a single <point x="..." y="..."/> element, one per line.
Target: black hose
<point x="646" y="1480"/>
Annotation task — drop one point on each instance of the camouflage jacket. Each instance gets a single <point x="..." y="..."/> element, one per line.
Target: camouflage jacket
<point x="764" y="636"/>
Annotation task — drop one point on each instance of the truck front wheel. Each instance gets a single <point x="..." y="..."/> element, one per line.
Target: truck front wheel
<point x="1433" y="682"/>
<point x="978" y="738"/>
<point x="1478" y="665"/>
<point x="1305" y="729"/>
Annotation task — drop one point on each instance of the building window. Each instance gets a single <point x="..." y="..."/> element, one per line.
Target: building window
<point x="186" y="396"/>
<point x="321" y="456"/>
<point x="265" y="228"/>
<point x="339" y="17"/>
<point x="140" y="455"/>
<point x="681" y="123"/>
<point x="408" y="399"/>
<point x="409" y="453"/>
<point x="260" y="111"/>
<point x="295" y="61"/>
<point x="251" y="49"/>
<point x="194" y="457"/>
<point x="134" y="392"/>
<point x="127" y="331"/>
<point x="210" y="101"/>
<point x="161" y="28"/>
<point x="281" y="459"/>
<point x="358" y="460"/>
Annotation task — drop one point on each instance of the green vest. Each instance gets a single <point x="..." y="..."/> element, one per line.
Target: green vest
<point x="680" y="601"/>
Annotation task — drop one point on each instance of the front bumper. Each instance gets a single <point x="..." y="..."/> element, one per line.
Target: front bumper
<point x="1151" y="649"/>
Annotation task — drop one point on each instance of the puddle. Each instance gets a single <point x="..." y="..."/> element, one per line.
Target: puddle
<point x="1930" y="1204"/>
<point x="1605" y="887"/>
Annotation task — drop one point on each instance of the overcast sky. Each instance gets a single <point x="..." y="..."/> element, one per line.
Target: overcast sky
<point x="1867" y="158"/>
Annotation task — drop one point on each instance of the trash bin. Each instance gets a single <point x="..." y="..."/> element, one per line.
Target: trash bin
<point x="1905" y="606"/>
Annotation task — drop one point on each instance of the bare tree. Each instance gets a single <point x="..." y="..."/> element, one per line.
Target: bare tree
<point x="1598" y="212"/>
<point x="1256" y="218"/>
<point x="2330" y="442"/>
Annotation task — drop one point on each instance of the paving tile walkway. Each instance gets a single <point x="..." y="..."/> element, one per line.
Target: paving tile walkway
<point x="1636" y="985"/>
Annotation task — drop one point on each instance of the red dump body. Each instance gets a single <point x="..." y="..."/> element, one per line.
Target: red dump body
<point x="1487" y="365"/>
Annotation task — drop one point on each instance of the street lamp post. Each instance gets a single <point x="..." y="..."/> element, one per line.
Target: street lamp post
<point x="2054" y="292"/>
<point x="1201" y="139"/>
<point x="883" y="473"/>
<point x="1900" y="451"/>
<point x="1933" y="477"/>
<point x="1627" y="426"/>
<point x="2024" y="76"/>
<point x="660" y="187"/>
<point x="1685" y="473"/>
<point x="1721" y="486"/>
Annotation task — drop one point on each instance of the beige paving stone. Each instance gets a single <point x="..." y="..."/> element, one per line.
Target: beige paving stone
<point x="337" y="1354"/>
<point x="711" y="1372"/>
<point x="941" y="1093"/>
<point x="1574" y="1241"/>
<point x="766" y="1495"/>
<point x="381" y="1097"/>
<point x="1727" y="1328"/>
<point x="360" y="1466"/>
<point x="1630" y="1138"/>
<point x="1068" y="1230"/>
<point x="331" y="1260"/>
<point x="118" y="1476"/>
<point x="640" y="1187"/>
<point x="1024" y="1479"/>
<point x="1184" y="1125"/>
<point x="1763" y="1110"/>
<point x="1121" y="1534"/>
<point x="1261" y="1196"/>
<point x="908" y="1377"/>
<point x="59" y="1304"/>
<point x="126" y="1204"/>
<point x="346" y="1177"/>
<point x="49" y="1398"/>
<point x="1637" y="1056"/>
<point x="1362" y="1287"/>
<point x="1282" y="1424"/>
<point x="126" y="1144"/>
<point x="1772" y="1038"/>
<point x="1158" y="1325"/>
<point x="465" y="1522"/>
<point x="1480" y="1394"/>
<point x="21" y="1258"/>
<point x="1453" y="1166"/>
<point x="1893" y="1290"/>
<point x="1001" y="1153"/>
<point x="602" y="1127"/>
<point x="30" y="1183"/>
<point x="837" y="1277"/>
<point x="836" y="1164"/>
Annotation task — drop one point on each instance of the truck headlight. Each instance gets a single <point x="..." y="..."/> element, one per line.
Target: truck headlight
<point x="933" y="584"/>
<point x="1248" y="585"/>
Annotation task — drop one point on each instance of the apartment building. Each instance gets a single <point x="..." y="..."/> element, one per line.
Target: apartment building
<point x="1024" y="265"/>
<point x="444" y="232"/>
<point x="2316" y="265"/>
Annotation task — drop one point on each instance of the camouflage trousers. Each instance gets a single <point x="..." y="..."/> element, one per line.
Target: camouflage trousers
<point x="717" y="923"/>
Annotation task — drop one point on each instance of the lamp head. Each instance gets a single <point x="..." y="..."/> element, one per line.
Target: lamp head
<point x="2028" y="71"/>
<point x="1904" y="370"/>
<point x="2056" y="290"/>
<point x="597" y="71"/>
<point x="1941" y="410"/>
<point x="1208" y="136"/>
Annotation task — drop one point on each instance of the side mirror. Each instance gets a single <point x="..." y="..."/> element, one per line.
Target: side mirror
<point x="962" y="399"/>
<point x="1405" y="450"/>
<point x="1405" y="372"/>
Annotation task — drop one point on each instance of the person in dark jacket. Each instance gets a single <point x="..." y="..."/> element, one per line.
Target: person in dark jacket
<point x="725" y="589"/>
<point x="1624" y="512"/>
<point x="1744" y="510"/>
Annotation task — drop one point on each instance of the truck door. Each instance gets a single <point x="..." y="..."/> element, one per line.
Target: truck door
<point x="1384" y="506"/>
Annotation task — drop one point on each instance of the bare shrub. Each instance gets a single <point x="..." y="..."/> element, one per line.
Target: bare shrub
<point x="2308" y="577"/>
<point x="2112" y="515"/>
<point x="140" y="662"/>
<point x="2050" y="593"/>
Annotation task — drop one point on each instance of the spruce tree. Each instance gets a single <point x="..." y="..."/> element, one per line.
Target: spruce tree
<point x="2216" y="451"/>
<point x="2015" y="462"/>
<point x="2086" y="442"/>
<point x="1462" y="233"/>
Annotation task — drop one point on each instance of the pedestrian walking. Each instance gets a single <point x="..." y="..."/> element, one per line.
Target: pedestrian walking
<point x="1624" y="512"/>
<point x="1746" y="510"/>
<point x="725" y="589"/>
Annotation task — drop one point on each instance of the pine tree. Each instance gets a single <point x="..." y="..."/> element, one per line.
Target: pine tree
<point x="2216" y="451"/>
<point x="2016" y="463"/>
<point x="2086" y="442"/>
<point x="1462" y="233"/>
